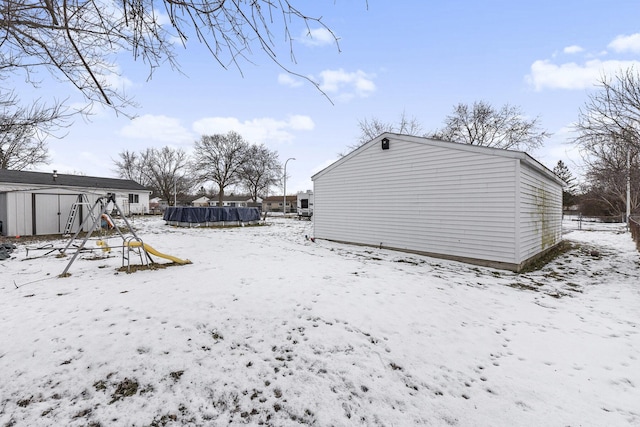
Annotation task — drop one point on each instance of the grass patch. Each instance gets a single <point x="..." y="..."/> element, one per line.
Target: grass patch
<point x="125" y="388"/>
<point x="523" y="286"/>
<point x="152" y="266"/>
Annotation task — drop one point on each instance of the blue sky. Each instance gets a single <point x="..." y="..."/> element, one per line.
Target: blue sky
<point x="420" y="57"/>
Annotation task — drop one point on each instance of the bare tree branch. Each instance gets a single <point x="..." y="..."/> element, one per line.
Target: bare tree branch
<point x="373" y="127"/>
<point x="24" y="130"/>
<point x="612" y="114"/>
<point x="78" y="40"/>
<point x="482" y="124"/>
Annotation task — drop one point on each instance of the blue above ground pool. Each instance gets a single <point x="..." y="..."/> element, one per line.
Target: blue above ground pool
<point x="183" y="216"/>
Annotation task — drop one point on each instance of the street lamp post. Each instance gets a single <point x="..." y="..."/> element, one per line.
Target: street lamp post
<point x="284" y="198"/>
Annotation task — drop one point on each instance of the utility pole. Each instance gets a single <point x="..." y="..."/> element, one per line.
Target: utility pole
<point x="284" y="198"/>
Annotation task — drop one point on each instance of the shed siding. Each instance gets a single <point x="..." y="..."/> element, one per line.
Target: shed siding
<point x="53" y="206"/>
<point x="48" y="209"/>
<point x="4" y="211"/>
<point x="540" y="213"/>
<point x="421" y="197"/>
<point x="19" y="216"/>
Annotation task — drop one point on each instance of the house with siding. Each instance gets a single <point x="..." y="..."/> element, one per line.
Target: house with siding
<point x="274" y="203"/>
<point x="235" y="201"/>
<point x="37" y="203"/>
<point x="481" y="205"/>
<point x="201" y="201"/>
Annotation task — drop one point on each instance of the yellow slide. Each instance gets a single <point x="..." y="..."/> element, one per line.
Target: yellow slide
<point x="152" y="251"/>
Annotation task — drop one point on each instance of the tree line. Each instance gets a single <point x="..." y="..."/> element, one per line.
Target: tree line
<point x="226" y="160"/>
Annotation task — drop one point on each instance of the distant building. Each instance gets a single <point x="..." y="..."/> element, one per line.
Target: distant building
<point x="201" y="201"/>
<point x="274" y="204"/>
<point x="232" y="201"/>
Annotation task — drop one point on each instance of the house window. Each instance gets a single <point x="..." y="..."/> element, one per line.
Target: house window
<point x="134" y="198"/>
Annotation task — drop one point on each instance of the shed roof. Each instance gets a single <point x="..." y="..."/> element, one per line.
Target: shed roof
<point x="526" y="158"/>
<point x="63" y="180"/>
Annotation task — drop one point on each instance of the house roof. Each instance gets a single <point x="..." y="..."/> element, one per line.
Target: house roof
<point x="278" y="198"/>
<point x="526" y="158"/>
<point x="203" y="199"/>
<point x="232" y="198"/>
<point x="43" y="179"/>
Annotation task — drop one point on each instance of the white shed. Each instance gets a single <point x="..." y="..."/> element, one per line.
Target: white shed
<point x="36" y="203"/>
<point x="480" y="205"/>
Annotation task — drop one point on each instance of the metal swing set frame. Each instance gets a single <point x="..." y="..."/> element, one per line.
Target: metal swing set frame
<point x="127" y="246"/>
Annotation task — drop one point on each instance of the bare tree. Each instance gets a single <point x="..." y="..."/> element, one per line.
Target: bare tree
<point x="373" y="127"/>
<point x="167" y="172"/>
<point x="610" y="167"/>
<point x="219" y="159"/>
<point x="260" y="171"/>
<point x="133" y="166"/>
<point x="609" y="138"/>
<point x="79" y="40"/>
<point x="482" y="124"/>
<point x="612" y="114"/>
<point x="163" y="170"/>
<point x="23" y="131"/>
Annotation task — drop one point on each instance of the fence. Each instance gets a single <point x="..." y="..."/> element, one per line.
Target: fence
<point x="634" y="225"/>
<point x="593" y="223"/>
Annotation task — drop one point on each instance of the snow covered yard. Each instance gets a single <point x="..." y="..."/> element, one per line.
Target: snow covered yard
<point x="266" y="327"/>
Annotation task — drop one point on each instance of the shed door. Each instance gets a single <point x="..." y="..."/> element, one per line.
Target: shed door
<point x="51" y="212"/>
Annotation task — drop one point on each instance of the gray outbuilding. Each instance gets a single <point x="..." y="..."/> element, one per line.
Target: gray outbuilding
<point x="37" y="203"/>
<point x="481" y="205"/>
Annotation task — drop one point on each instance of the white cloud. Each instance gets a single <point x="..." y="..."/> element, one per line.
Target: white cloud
<point x="110" y="74"/>
<point x="298" y="122"/>
<point x="261" y="130"/>
<point x="347" y="84"/>
<point x="316" y="37"/>
<point x="571" y="75"/>
<point x="547" y="74"/>
<point x="288" y="80"/>
<point x="626" y="44"/>
<point x="338" y="84"/>
<point x="117" y="81"/>
<point x="572" y="49"/>
<point x="158" y="128"/>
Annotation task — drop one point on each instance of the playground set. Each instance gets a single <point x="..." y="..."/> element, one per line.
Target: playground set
<point x="132" y="245"/>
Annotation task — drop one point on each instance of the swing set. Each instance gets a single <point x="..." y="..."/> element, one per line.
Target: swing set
<point x="131" y="245"/>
